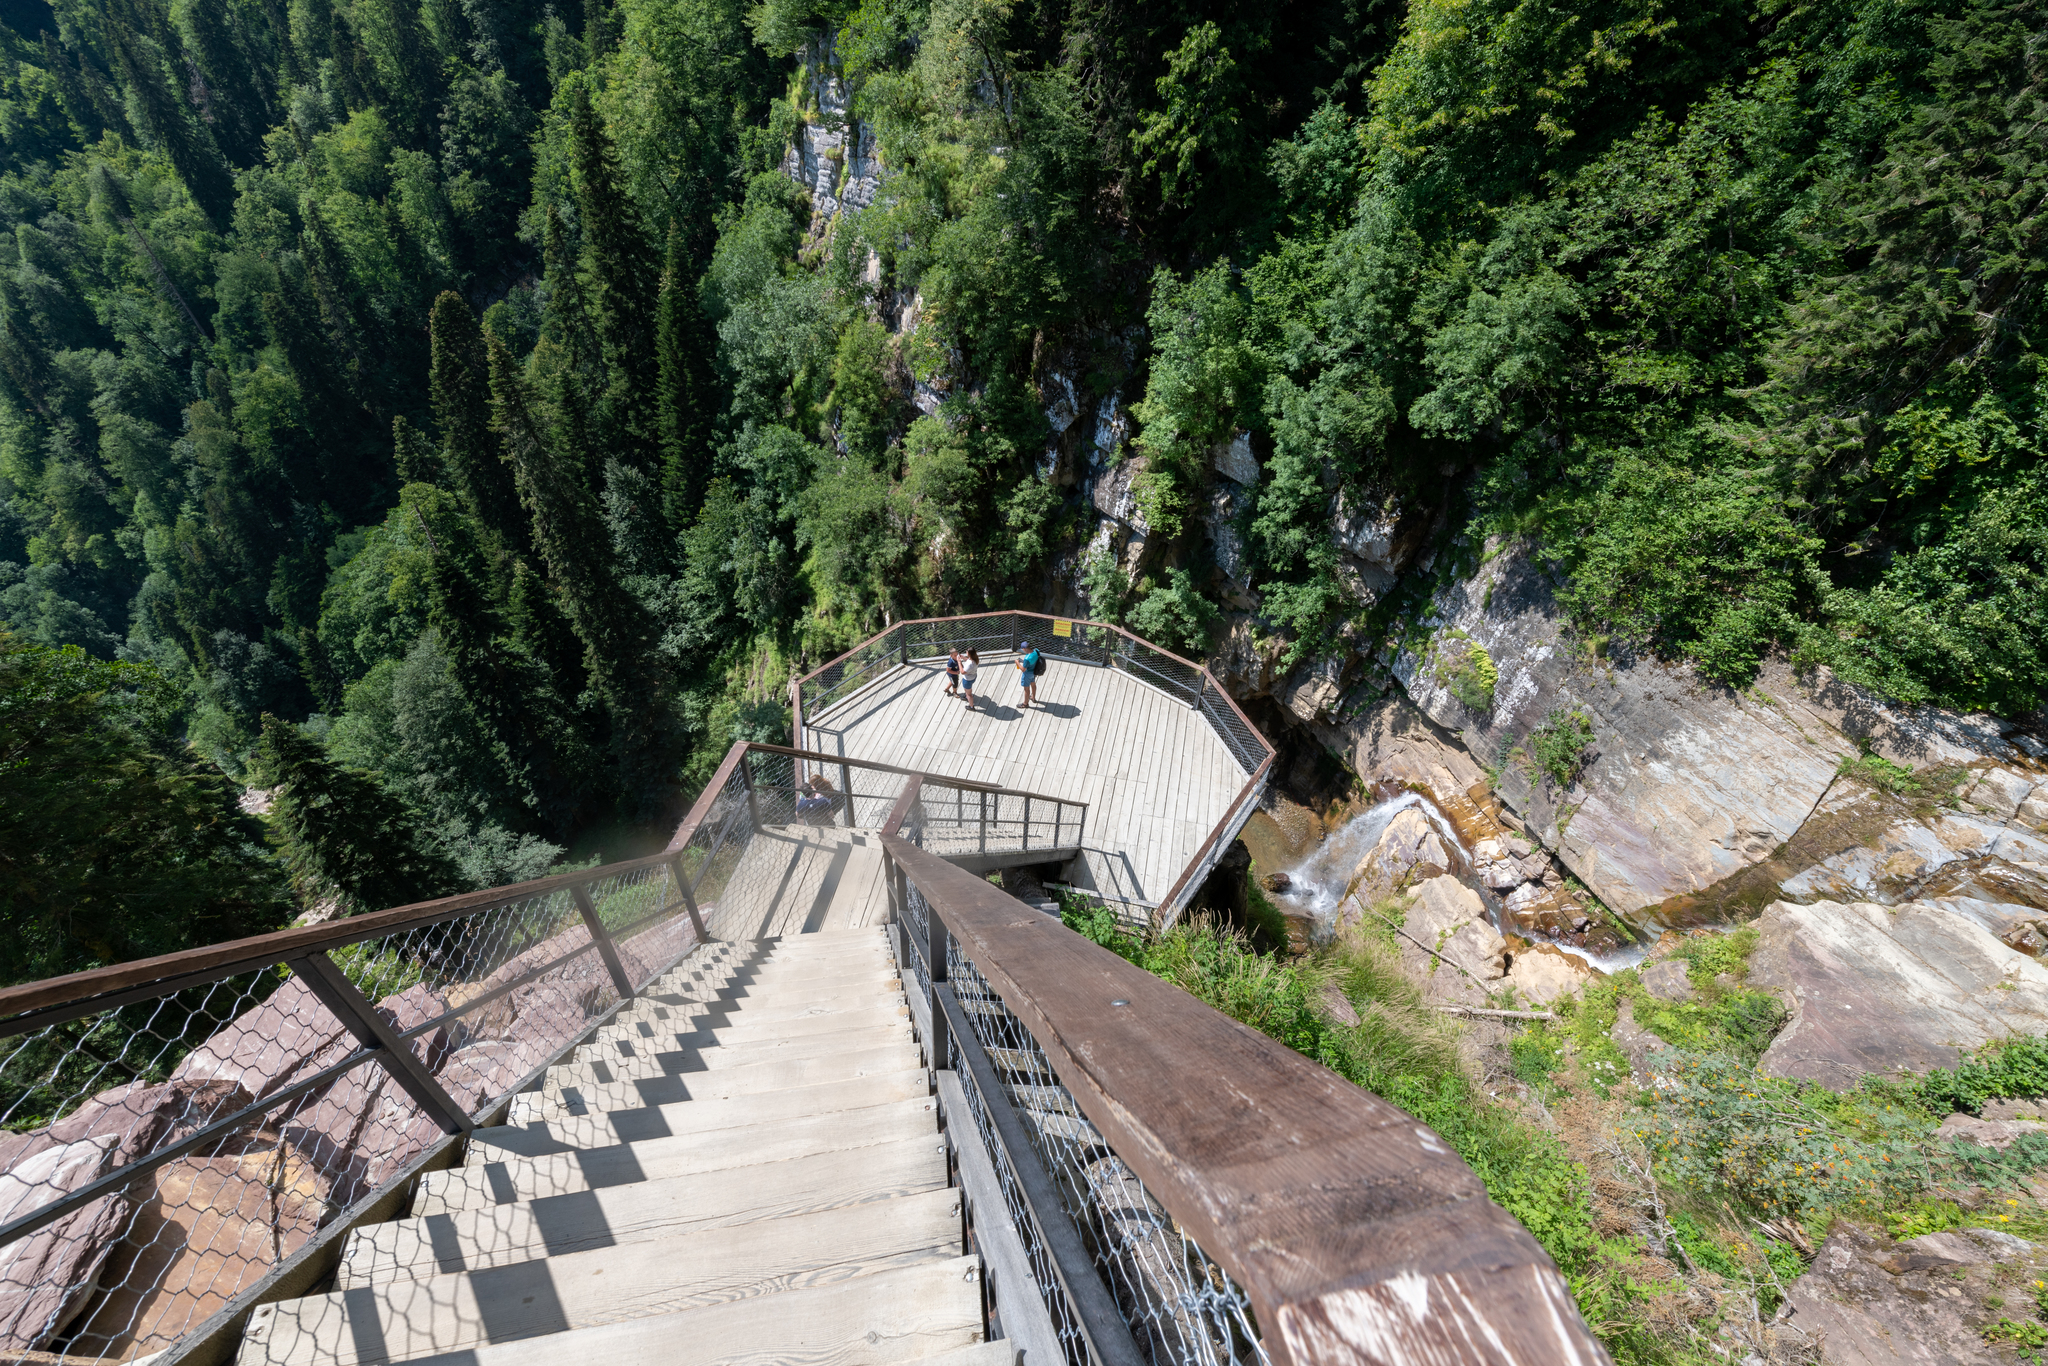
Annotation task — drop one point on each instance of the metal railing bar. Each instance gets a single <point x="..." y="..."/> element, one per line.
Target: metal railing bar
<point x="1101" y="1322"/>
<point x="1248" y="793"/>
<point x="26" y="1006"/>
<point x="216" y="1339"/>
<point x="45" y="1215"/>
<point x="605" y="948"/>
<point x="493" y="994"/>
<point x="357" y="1013"/>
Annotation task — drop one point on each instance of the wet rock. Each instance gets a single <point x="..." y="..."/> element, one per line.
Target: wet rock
<point x="1534" y="867"/>
<point x="1667" y="981"/>
<point x="1276" y="882"/>
<point x="1987" y="1133"/>
<point x="1518" y="846"/>
<point x="1409" y="851"/>
<point x="1502" y="876"/>
<point x="1874" y="989"/>
<point x="1867" y="1301"/>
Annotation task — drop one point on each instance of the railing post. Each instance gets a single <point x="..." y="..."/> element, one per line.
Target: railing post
<point x="327" y="981"/>
<point x="935" y="944"/>
<point x="984" y="821"/>
<point x="689" y="898"/>
<point x="846" y="786"/>
<point x="796" y="713"/>
<point x="1027" y="822"/>
<point x="605" y="948"/>
<point x="753" y="803"/>
<point x="903" y="647"/>
<point x="1201" y="682"/>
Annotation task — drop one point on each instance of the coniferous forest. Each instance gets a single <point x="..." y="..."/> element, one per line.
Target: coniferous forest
<point x="431" y="431"/>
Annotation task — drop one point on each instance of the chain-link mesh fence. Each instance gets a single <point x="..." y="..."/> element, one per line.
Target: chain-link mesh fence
<point x="1182" y="1309"/>
<point x="167" y="1145"/>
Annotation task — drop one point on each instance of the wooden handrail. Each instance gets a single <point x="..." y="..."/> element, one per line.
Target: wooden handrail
<point x="225" y="959"/>
<point x="796" y="685"/>
<point x="1216" y="832"/>
<point x="1358" y="1234"/>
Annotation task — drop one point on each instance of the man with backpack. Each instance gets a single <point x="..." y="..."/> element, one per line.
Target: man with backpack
<point x="1030" y="664"/>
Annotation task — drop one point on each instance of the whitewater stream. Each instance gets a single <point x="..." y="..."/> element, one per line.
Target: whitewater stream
<point x="1318" y="879"/>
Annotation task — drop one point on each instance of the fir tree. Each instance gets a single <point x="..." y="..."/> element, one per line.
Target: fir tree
<point x="459" y="379"/>
<point x="623" y="272"/>
<point x="342" y="834"/>
<point x="191" y="152"/>
<point x="240" y="106"/>
<point x="684" y="389"/>
<point x="417" y="460"/>
<point x="567" y="321"/>
<point x="540" y="629"/>
<point x="570" y="537"/>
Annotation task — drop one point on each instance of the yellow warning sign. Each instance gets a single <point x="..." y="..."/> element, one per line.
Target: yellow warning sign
<point x="1063" y="628"/>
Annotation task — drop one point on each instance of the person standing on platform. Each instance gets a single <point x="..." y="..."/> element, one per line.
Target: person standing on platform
<point x="969" y="667"/>
<point x="1030" y="665"/>
<point x="953" y="671"/>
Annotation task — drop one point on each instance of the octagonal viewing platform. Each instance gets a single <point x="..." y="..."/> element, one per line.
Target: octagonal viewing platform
<point x="1167" y="764"/>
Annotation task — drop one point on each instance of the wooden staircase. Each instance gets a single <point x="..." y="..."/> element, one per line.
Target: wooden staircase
<point x="744" y="1166"/>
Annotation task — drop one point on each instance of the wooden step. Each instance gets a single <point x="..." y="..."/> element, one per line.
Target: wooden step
<point x="583" y="1097"/>
<point x="760" y="996"/>
<point x="914" y="1314"/>
<point x="513" y="1176"/>
<point x="690" y="1061"/>
<point x="407" y="1319"/>
<point x="757" y="1008"/>
<point x="541" y="1108"/>
<point x="645" y="1036"/>
<point x="477" y="1237"/>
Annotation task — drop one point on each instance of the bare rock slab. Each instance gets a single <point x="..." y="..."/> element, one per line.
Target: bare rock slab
<point x="1868" y="1301"/>
<point x="1874" y="989"/>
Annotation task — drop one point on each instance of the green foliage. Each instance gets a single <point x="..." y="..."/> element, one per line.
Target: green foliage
<point x="342" y="835"/>
<point x="1881" y="773"/>
<point x="1176" y="615"/>
<point x="122" y="842"/>
<point x="1721" y="1126"/>
<point x="2023" y="1333"/>
<point x="1925" y="1216"/>
<point x="1463" y="666"/>
<point x="1557" y="749"/>
<point x="2014" y="1068"/>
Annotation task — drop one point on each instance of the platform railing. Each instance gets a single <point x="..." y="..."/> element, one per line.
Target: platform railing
<point x="185" y="1127"/>
<point x="1185" y="1190"/>
<point x="1075" y="642"/>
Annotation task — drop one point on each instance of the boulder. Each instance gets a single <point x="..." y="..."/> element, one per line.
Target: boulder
<point x="45" y="1276"/>
<point x="1503" y="875"/>
<point x="1544" y="973"/>
<point x="2034" y="810"/>
<point x="1873" y="989"/>
<point x="1409" y="851"/>
<point x="1867" y="1301"/>
<point x="1667" y="981"/>
<point x="1635" y="1042"/>
<point x="1987" y="1133"/>
<point x="1469" y="956"/>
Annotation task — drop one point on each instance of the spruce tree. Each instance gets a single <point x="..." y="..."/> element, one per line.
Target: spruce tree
<point x="459" y="380"/>
<point x="241" y="110"/>
<point x="623" y="275"/>
<point x="417" y="460"/>
<point x="342" y="834"/>
<point x="540" y="628"/>
<point x="191" y="152"/>
<point x="72" y="94"/>
<point x="571" y="539"/>
<point x="567" y="319"/>
<point x="684" y="388"/>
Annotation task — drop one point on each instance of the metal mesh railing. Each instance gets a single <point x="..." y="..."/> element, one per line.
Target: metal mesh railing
<point x="172" y="1141"/>
<point x="1180" y="1306"/>
<point x="963" y="821"/>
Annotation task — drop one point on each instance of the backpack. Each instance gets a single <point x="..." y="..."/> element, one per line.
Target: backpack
<point x="1039" y="667"/>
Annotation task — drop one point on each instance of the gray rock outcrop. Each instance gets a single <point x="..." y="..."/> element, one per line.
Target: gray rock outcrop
<point x="1868" y="1301"/>
<point x="1875" y="989"/>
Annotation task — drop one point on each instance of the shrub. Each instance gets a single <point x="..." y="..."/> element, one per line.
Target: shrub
<point x="1881" y="773"/>
<point x="2008" y="1069"/>
<point x="1557" y="748"/>
<point x="1463" y="666"/>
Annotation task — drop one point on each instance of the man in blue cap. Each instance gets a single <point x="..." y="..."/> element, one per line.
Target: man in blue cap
<point x="1030" y="664"/>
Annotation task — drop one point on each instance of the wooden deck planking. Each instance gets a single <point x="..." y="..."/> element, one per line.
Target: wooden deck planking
<point x="1148" y="765"/>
